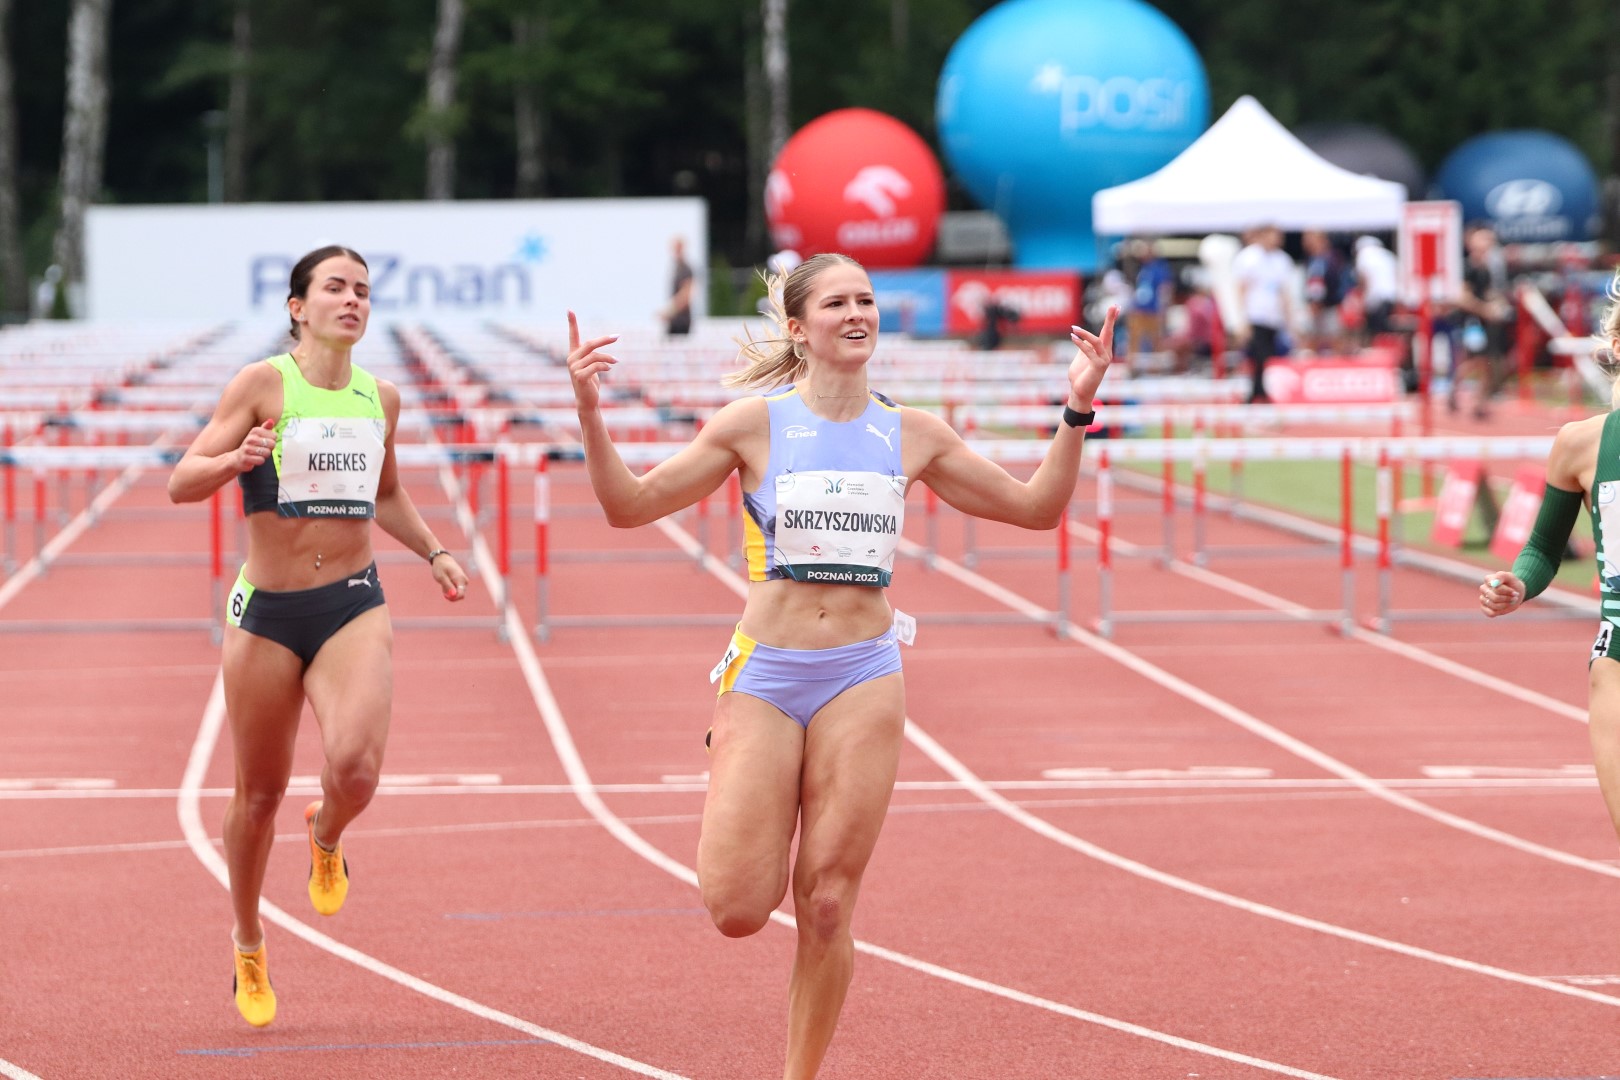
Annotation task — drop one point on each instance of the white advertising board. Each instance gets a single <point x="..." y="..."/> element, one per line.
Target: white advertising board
<point x="527" y="261"/>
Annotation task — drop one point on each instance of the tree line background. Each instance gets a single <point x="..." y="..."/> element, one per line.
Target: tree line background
<point x="180" y="101"/>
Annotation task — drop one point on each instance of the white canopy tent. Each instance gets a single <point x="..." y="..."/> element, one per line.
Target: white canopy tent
<point x="1247" y="170"/>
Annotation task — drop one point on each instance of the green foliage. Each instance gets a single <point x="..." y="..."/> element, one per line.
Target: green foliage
<point x="723" y="299"/>
<point x="1431" y="73"/>
<point x="649" y="97"/>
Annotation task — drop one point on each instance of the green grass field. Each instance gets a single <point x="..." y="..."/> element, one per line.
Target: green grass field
<point x="1311" y="489"/>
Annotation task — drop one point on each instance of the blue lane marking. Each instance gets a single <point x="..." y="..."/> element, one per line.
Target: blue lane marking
<point x="253" y="1051"/>
<point x="497" y="916"/>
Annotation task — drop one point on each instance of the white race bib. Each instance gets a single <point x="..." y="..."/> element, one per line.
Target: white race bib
<point x="839" y="528"/>
<point x="329" y="467"/>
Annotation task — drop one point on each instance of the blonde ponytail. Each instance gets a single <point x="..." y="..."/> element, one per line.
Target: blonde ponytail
<point x="1610" y="329"/>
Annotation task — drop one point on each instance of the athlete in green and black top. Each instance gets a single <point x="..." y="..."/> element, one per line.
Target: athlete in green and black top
<point x="310" y="437"/>
<point x="1584" y="466"/>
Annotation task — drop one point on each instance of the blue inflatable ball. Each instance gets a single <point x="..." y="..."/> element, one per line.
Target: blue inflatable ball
<point x="1042" y="103"/>
<point x="1530" y="186"/>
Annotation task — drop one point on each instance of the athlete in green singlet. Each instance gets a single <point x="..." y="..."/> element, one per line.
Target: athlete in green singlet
<point x="1584" y="467"/>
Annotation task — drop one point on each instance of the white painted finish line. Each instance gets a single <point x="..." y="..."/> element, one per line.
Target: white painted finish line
<point x="416" y="780"/>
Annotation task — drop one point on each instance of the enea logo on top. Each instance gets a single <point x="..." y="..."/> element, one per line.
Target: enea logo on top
<point x="400" y="283"/>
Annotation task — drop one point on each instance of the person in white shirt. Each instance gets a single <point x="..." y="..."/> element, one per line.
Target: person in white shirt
<point x="1377" y="272"/>
<point x="1264" y="276"/>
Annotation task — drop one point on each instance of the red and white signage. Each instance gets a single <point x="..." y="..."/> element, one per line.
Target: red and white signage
<point x="1518" y="513"/>
<point x="1320" y="381"/>
<point x="1455" y="506"/>
<point x="1429" y="246"/>
<point x="858" y="182"/>
<point x="1047" y="302"/>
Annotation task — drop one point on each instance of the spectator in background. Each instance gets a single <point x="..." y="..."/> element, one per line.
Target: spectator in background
<point x="1485" y="312"/>
<point x="1327" y="279"/>
<point x="1116" y="293"/>
<point x="1263" y="275"/>
<point x="1150" y="298"/>
<point x="996" y="318"/>
<point x="45" y="296"/>
<point x="1198" y="330"/>
<point x="677" y="314"/>
<point x="1378" y="276"/>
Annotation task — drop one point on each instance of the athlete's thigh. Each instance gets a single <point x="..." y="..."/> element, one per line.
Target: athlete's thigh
<point x="851" y="757"/>
<point x="350" y="684"/>
<point x="752" y="803"/>
<point x="1603" y="693"/>
<point x="264" y="697"/>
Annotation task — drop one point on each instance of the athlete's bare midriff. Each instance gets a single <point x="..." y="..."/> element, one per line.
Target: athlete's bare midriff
<point x="283" y="552"/>
<point x="801" y="615"/>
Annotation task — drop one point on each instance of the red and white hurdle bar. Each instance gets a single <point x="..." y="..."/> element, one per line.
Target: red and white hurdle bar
<point x="1387" y="453"/>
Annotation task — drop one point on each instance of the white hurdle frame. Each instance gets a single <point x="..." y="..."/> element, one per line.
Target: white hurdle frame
<point x="1385" y="454"/>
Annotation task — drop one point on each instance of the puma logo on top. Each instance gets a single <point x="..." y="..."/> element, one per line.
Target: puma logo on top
<point x="886" y="436"/>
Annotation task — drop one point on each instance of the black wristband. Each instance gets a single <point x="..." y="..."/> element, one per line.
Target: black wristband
<point x="435" y="553"/>
<point x="1078" y="419"/>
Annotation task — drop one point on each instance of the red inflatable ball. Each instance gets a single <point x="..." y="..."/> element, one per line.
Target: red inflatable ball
<point x="858" y="182"/>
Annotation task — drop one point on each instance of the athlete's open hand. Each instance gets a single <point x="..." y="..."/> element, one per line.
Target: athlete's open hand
<point x="586" y="365"/>
<point x="256" y="446"/>
<point x="1093" y="354"/>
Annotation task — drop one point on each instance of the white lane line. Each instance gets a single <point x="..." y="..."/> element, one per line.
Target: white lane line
<point x="57" y="783"/>
<point x="15" y="1072"/>
<point x="1443" y="780"/>
<point x="1191" y="798"/>
<point x="941" y="757"/>
<point x="202" y="750"/>
<point x="1254" y="725"/>
<point x="574" y="766"/>
<point x="956" y="769"/>
<point x="196" y="836"/>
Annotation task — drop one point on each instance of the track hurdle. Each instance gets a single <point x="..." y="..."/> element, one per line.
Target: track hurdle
<point x="546" y="621"/>
<point x="1010" y="451"/>
<point x="41" y="460"/>
<point x="1386" y="456"/>
<point x="1108" y="616"/>
<point x="1551" y="605"/>
<point x="8" y="480"/>
<point x="1206" y="420"/>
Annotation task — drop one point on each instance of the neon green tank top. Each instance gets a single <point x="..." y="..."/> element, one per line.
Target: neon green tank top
<point x="329" y="456"/>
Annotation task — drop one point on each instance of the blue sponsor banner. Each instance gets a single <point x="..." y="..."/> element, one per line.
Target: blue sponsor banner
<point x="911" y="301"/>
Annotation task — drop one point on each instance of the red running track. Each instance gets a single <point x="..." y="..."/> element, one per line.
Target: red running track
<point x="1207" y="849"/>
